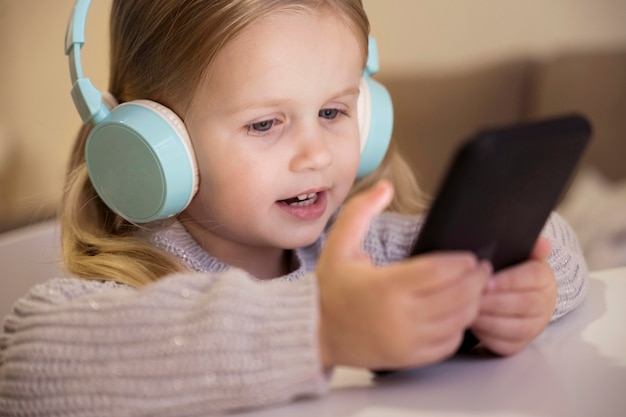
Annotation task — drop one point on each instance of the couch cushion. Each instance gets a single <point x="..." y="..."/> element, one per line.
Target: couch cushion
<point x="593" y="83"/>
<point x="434" y="112"/>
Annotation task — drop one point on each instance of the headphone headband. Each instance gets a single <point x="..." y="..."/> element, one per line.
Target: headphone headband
<point x="87" y="98"/>
<point x="75" y="33"/>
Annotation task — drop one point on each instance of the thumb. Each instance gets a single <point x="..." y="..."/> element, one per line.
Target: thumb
<point x="541" y="249"/>
<point x="346" y="236"/>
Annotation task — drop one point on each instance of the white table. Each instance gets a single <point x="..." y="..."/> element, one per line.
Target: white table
<point x="577" y="367"/>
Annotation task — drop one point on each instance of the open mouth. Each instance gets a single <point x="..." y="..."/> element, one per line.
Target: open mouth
<point x="308" y="206"/>
<point x="301" y="200"/>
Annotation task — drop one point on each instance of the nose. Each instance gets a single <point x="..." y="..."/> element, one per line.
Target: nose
<point x="312" y="151"/>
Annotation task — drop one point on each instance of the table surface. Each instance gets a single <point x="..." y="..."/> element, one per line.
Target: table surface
<point x="577" y="367"/>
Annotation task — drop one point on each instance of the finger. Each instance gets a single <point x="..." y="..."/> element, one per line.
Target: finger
<point x="530" y="275"/>
<point x="422" y="353"/>
<point x="456" y="321"/>
<point x="437" y="350"/>
<point x="500" y="346"/>
<point x="511" y="329"/>
<point x="440" y="295"/>
<point x="430" y="272"/>
<point x="515" y="304"/>
<point x="542" y="248"/>
<point x="346" y="236"/>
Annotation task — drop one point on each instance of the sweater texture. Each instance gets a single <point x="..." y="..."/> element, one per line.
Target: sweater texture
<point x="208" y="341"/>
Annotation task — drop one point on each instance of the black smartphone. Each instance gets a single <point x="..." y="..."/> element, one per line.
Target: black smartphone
<point x="499" y="190"/>
<point x="501" y="187"/>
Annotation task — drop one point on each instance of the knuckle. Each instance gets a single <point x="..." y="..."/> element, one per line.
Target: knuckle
<point x="535" y="271"/>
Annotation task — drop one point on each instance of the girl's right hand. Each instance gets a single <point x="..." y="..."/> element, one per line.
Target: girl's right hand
<point x="405" y="314"/>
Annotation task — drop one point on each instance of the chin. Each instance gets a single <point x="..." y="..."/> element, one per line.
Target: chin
<point x="303" y="240"/>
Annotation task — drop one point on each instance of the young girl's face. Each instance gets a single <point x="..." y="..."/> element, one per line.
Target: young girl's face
<point x="275" y="133"/>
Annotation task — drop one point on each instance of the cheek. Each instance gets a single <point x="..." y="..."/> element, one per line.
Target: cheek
<point x="220" y="197"/>
<point x="350" y="152"/>
<point x="229" y="178"/>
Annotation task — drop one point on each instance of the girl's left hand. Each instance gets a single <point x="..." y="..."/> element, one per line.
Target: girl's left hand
<point x="517" y="304"/>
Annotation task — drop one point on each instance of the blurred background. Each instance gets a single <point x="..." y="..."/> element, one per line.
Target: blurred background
<point x="452" y="67"/>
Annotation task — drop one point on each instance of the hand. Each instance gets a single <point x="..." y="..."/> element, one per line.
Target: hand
<point x="405" y="314"/>
<point x="517" y="304"/>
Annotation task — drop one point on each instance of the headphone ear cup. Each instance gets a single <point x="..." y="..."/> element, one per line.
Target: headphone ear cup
<point x="141" y="162"/>
<point x="375" y="114"/>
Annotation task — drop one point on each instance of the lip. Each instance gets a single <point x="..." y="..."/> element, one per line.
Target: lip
<point x="312" y="212"/>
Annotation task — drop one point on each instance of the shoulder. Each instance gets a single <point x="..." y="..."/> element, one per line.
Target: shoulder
<point x="78" y="294"/>
<point x="56" y="293"/>
<point x="60" y="290"/>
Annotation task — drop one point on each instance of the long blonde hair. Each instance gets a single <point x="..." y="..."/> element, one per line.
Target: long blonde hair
<point x="160" y="50"/>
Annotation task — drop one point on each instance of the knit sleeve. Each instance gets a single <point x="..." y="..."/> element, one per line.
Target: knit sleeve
<point x="390" y="237"/>
<point x="189" y="344"/>
<point x="568" y="263"/>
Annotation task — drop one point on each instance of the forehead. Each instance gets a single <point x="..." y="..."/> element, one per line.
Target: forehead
<point x="298" y="50"/>
<point x="282" y="20"/>
<point x="292" y="30"/>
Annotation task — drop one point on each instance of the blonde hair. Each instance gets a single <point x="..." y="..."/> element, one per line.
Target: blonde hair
<point x="160" y="50"/>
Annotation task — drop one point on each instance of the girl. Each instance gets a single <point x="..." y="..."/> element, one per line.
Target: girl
<point x="245" y="298"/>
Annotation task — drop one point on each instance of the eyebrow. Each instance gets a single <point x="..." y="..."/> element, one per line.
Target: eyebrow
<point x="352" y="90"/>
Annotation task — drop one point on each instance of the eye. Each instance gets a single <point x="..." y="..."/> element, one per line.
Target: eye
<point x="261" y="127"/>
<point x="328" y="113"/>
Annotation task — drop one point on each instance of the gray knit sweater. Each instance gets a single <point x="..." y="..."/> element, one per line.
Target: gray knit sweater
<point x="196" y="343"/>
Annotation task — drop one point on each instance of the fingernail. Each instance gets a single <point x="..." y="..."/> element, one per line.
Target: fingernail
<point x="491" y="284"/>
<point x="486" y="267"/>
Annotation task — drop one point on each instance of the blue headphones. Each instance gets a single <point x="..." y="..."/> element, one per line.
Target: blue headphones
<point x="139" y="155"/>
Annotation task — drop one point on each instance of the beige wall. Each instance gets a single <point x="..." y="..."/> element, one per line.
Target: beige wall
<point x="414" y="35"/>
<point x="36" y="106"/>
<point x="444" y="34"/>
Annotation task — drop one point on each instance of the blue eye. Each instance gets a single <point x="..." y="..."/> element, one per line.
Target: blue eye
<point x="263" y="126"/>
<point x="328" y="113"/>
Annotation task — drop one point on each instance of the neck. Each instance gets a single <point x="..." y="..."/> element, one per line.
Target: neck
<point x="260" y="262"/>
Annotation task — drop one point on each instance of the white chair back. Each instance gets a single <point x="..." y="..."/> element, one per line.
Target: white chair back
<point x="28" y="256"/>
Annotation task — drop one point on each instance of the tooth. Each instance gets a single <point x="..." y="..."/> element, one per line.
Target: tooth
<point x="303" y="197"/>
<point x="312" y="195"/>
